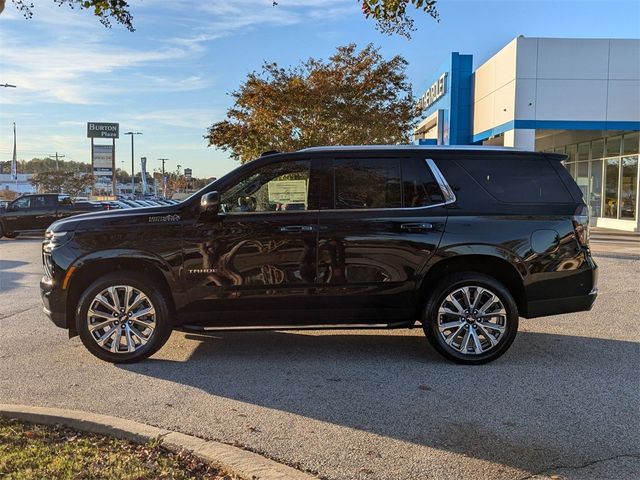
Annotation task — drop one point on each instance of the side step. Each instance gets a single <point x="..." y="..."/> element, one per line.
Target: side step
<point x="347" y="326"/>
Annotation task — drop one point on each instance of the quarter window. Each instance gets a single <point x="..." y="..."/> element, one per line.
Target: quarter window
<point x="518" y="180"/>
<point x="276" y="187"/>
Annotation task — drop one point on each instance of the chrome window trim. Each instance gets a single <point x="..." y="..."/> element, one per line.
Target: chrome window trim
<point x="447" y="193"/>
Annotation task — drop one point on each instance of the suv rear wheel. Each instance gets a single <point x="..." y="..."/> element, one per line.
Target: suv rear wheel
<point x="470" y="318"/>
<point x="123" y="318"/>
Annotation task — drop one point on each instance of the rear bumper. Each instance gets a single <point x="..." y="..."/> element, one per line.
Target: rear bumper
<point x="557" y="306"/>
<point x="584" y="281"/>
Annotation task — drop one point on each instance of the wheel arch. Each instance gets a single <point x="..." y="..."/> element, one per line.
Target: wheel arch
<point x="511" y="275"/>
<point x="87" y="270"/>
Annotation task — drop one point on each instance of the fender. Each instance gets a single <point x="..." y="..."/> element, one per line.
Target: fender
<point x="115" y="256"/>
<point x="479" y="249"/>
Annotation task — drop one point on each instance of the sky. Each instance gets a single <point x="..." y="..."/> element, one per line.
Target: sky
<point x="171" y="78"/>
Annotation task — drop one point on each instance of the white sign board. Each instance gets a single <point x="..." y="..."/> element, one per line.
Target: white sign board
<point x="287" y="191"/>
<point x="103" y="165"/>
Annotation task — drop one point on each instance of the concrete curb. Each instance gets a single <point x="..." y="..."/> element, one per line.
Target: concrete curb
<point x="234" y="460"/>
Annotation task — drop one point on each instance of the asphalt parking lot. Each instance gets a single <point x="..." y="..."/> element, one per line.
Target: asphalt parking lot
<point x="565" y="400"/>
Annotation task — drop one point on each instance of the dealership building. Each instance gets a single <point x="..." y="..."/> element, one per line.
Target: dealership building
<point x="580" y="97"/>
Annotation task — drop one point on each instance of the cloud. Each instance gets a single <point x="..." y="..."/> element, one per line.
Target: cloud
<point x="226" y="18"/>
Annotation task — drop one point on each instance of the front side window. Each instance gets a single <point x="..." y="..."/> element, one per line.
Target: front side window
<point x="364" y="183"/>
<point x="22" y="203"/>
<point x="276" y="187"/>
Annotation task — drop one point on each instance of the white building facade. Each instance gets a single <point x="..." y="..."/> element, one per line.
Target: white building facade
<point x="21" y="186"/>
<point x="580" y="97"/>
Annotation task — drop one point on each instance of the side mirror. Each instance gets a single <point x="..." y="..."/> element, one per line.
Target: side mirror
<point x="210" y="203"/>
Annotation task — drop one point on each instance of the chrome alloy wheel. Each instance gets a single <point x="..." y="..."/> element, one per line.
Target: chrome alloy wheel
<point x="121" y="319"/>
<point x="472" y="320"/>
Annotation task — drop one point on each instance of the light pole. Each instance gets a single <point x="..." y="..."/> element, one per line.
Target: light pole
<point x="7" y="85"/>
<point x="133" y="186"/>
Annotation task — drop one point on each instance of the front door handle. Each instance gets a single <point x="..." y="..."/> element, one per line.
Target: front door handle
<point x="416" y="227"/>
<point x="297" y="228"/>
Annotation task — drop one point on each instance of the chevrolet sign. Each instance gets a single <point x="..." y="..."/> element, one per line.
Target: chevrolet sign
<point x="433" y="93"/>
<point x="103" y="130"/>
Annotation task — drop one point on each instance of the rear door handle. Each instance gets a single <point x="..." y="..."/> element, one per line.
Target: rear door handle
<point x="297" y="228"/>
<point x="416" y="227"/>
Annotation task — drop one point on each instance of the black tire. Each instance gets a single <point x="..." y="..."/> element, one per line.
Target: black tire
<point x="451" y="284"/>
<point x="10" y="234"/>
<point x="1" y="230"/>
<point x="154" y="293"/>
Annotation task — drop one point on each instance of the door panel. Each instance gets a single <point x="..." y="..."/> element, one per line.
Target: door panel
<point x="256" y="263"/>
<point x="370" y="259"/>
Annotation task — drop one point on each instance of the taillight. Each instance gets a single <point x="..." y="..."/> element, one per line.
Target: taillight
<point x="581" y="224"/>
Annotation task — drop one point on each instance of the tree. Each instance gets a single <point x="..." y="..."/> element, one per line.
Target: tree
<point x="357" y="97"/>
<point x="60" y="181"/>
<point x="105" y="10"/>
<point x="391" y="16"/>
<point x="49" y="182"/>
<point x="75" y="185"/>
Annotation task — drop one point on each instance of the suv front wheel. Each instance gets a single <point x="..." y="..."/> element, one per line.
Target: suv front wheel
<point x="470" y="318"/>
<point x="123" y="318"/>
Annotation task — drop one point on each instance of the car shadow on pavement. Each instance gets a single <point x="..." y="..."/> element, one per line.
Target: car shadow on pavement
<point x="10" y="279"/>
<point x="551" y="400"/>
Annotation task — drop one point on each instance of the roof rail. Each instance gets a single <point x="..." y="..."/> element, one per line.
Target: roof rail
<point x="269" y="152"/>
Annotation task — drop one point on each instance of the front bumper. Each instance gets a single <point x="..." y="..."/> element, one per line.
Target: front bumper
<point x="53" y="303"/>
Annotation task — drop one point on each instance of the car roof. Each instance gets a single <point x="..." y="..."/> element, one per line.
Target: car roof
<point x="406" y="148"/>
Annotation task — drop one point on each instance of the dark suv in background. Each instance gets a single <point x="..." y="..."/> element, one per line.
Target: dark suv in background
<point x="460" y="241"/>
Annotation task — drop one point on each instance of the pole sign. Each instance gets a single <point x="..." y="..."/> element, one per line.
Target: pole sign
<point x="433" y="93"/>
<point x="103" y="130"/>
<point x="103" y="166"/>
<point x="187" y="173"/>
<point x="143" y="174"/>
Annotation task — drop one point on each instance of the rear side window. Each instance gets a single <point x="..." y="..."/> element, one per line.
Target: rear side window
<point x="362" y="183"/>
<point x="518" y="180"/>
<point x="419" y="188"/>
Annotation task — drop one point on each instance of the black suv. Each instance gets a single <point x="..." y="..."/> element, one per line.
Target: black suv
<point x="461" y="241"/>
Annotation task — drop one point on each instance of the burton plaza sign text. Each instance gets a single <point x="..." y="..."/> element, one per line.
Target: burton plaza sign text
<point x="103" y="130"/>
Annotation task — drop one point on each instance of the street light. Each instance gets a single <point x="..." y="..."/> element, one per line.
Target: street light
<point x="7" y="85"/>
<point x="132" y="162"/>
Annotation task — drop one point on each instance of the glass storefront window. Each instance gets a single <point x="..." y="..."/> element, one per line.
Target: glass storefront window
<point x="628" y="192"/>
<point x="583" y="151"/>
<point x="582" y="178"/>
<point x="613" y="146"/>
<point x="571" y="168"/>
<point x="597" y="149"/>
<point x="612" y="171"/>
<point x="631" y="143"/>
<point x="572" y="152"/>
<point x="595" y="190"/>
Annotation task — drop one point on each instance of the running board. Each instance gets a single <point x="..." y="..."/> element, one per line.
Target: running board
<point x="348" y="326"/>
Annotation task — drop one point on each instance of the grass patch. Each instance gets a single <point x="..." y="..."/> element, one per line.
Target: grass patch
<point x="30" y="451"/>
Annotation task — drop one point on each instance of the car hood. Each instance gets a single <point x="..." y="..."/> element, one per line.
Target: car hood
<point x="117" y="218"/>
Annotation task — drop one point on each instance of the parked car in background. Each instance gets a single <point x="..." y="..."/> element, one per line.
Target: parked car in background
<point x="34" y="213"/>
<point x="460" y="242"/>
